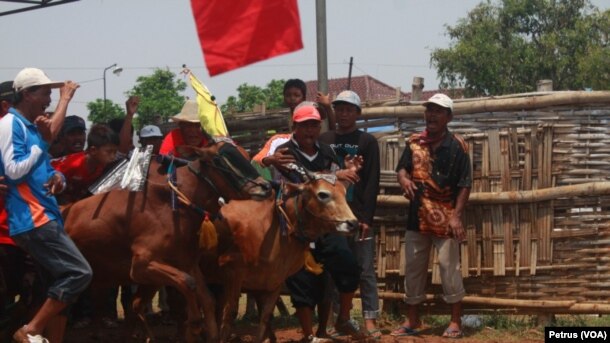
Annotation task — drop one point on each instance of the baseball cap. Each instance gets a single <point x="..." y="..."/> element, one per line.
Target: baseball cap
<point x="6" y="91"/>
<point x="441" y="100"/>
<point x="349" y="97"/>
<point x="73" y="123"/>
<point x="304" y="113"/>
<point x="30" y="77"/>
<point x="150" y="131"/>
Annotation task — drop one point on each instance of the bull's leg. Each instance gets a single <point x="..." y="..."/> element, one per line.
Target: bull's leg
<point x="99" y="296"/>
<point x="151" y="272"/>
<point x="250" y="314"/>
<point x="282" y="307"/>
<point x="266" y="303"/>
<point x="208" y="304"/>
<point x="143" y="296"/>
<point x="231" y="292"/>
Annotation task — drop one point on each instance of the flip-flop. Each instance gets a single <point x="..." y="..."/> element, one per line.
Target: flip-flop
<point x="373" y="334"/>
<point x="453" y="333"/>
<point x="332" y="333"/>
<point x="404" y="331"/>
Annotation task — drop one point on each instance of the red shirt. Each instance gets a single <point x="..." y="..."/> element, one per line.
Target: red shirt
<point x="174" y="139"/>
<point x="4" y="236"/>
<point x="78" y="177"/>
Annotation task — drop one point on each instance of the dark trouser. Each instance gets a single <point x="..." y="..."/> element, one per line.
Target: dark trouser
<point x="307" y="289"/>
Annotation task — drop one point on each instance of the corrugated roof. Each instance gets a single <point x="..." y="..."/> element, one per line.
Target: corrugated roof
<point x="370" y="89"/>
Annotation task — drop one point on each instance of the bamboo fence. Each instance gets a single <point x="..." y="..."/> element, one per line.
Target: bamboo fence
<point x="537" y="223"/>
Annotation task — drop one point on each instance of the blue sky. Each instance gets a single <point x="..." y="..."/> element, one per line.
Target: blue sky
<point x="390" y="40"/>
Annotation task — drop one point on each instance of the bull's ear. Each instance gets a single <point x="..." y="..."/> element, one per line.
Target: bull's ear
<point x="293" y="188"/>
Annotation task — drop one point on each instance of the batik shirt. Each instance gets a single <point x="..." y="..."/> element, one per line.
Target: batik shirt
<point x="439" y="176"/>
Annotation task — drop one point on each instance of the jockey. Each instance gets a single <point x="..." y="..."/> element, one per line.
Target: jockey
<point x="190" y="133"/>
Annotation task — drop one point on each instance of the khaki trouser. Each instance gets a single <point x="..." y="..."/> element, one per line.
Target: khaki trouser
<point x="417" y="255"/>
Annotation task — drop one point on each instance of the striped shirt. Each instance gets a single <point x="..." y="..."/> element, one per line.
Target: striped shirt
<point x="25" y="165"/>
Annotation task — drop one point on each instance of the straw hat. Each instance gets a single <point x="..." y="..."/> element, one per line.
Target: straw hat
<point x="189" y="112"/>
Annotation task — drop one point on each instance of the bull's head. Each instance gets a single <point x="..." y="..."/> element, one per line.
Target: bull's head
<point x="320" y="207"/>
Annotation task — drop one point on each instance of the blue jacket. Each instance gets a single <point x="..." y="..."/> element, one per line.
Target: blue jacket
<point x="24" y="162"/>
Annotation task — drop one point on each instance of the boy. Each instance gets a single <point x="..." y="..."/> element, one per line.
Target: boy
<point x="82" y="169"/>
<point x="151" y="135"/>
<point x="72" y="137"/>
<point x="295" y="93"/>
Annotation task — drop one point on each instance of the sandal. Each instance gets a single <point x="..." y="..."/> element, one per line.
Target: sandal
<point x="374" y="334"/>
<point x="404" y="331"/>
<point x="453" y="333"/>
<point x="332" y="333"/>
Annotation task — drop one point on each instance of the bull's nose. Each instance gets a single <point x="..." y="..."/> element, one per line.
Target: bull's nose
<point x="353" y="225"/>
<point x="348" y="227"/>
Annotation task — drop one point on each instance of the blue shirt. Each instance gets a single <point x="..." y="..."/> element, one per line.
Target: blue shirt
<point x="25" y="164"/>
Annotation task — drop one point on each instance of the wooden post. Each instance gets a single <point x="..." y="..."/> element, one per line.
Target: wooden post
<point x="545" y="85"/>
<point x="417" y="88"/>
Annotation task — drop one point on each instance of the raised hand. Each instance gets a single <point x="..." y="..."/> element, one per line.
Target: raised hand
<point x="131" y="105"/>
<point x="323" y="99"/>
<point x="66" y="92"/>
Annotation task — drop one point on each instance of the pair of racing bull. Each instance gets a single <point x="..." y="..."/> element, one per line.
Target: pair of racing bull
<point x="254" y="245"/>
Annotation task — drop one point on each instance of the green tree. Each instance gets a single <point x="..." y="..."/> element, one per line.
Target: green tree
<point x="507" y="47"/>
<point x="98" y="113"/>
<point x="160" y="96"/>
<point x="249" y="96"/>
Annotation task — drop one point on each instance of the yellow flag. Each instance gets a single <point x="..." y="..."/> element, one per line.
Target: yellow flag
<point x="210" y="116"/>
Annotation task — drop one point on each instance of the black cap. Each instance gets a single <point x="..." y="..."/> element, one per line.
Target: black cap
<point x="73" y="123"/>
<point x="6" y="91"/>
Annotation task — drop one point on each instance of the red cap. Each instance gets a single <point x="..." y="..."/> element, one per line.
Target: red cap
<point x="304" y="113"/>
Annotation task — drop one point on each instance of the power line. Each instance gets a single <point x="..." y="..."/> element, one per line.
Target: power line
<point x="179" y="67"/>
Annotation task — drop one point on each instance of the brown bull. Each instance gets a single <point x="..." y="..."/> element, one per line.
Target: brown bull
<point x="136" y="237"/>
<point x="255" y="253"/>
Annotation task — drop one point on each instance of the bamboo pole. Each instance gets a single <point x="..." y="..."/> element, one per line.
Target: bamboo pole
<point x="495" y="301"/>
<point x="494" y="105"/>
<point x="518" y="197"/>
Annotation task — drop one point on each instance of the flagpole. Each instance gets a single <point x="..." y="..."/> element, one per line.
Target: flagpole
<point x="322" y="51"/>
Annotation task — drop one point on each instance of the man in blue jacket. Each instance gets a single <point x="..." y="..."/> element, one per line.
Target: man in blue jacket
<point x="35" y="222"/>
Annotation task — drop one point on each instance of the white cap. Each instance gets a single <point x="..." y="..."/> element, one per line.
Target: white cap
<point x="349" y="97"/>
<point x="30" y="77"/>
<point x="440" y="99"/>
<point x="150" y="131"/>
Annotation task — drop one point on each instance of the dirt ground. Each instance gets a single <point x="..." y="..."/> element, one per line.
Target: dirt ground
<point x="287" y="330"/>
<point x="246" y="334"/>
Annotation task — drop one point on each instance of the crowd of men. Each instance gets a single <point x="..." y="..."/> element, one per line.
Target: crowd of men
<point x="49" y="159"/>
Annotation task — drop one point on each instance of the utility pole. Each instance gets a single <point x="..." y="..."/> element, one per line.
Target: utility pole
<point x="322" y="51"/>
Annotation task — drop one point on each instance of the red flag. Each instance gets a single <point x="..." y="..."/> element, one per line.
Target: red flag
<point x="236" y="33"/>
